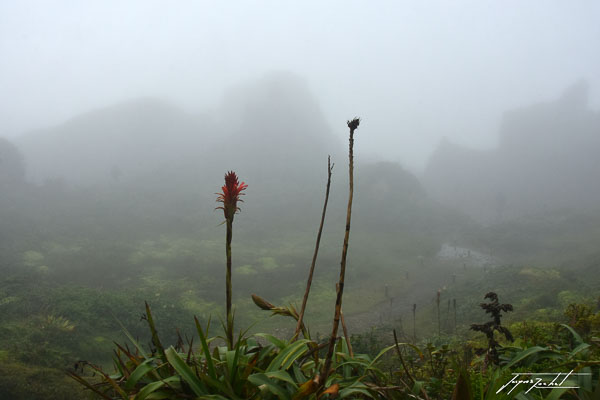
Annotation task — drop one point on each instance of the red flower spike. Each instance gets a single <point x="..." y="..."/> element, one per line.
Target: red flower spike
<point x="232" y="190"/>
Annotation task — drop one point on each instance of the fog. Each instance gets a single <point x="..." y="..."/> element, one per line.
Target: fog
<point x="414" y="72"/>
<point x="475" y="164"/>
<point x="118" y="120"/>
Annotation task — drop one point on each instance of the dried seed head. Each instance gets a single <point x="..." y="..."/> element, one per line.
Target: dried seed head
<point x="353" y="124"/>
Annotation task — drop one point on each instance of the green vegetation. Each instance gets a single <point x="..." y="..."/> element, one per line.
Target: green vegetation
<point x="78" y="264"/>
<point x="265" y="367"/>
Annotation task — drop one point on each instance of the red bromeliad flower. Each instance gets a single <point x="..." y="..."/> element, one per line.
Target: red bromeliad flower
<point x="232" y="190"/>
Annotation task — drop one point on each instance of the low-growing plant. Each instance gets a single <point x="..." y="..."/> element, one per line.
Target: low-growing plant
<point x="260" y="366"/>
<point x="495" y="309"/>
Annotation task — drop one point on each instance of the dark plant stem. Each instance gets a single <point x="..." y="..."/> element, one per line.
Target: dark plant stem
<point x="438" y="313"/>
<point x="228" y="283"/>
<point x="412" y="380"/>
<point x="431" y="361"/>
<point x="316" y="252"/>
<point x="352" y="125"/>
<point x="447" y="323"/>
<point x="346" y="335"/>
<point x="454" y="305"/>
<point x="414" y="322"/>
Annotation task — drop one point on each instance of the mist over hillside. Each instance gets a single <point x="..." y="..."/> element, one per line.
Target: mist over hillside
<point x="144" y="168"/>
<point x="265" y="128"/>
<point x="149" y="160"/>
<point x="124" y="141"/>
<point x="546" y="159"/>
<point x="178" y="180"/>
<point x="12" y="166"/>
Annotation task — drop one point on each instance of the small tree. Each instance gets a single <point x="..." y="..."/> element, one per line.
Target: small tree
<point x="494" y="308"/>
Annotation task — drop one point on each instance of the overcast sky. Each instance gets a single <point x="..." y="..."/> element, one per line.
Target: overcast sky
<point x="415" y="71"/>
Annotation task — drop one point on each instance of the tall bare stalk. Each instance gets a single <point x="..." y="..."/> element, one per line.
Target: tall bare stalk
<point x="352" y="125"/>
<point x="316" y="252"/>
<point x="439" y="293"/>
<point x="454" y="305"/>
<point x="415" y="322"/>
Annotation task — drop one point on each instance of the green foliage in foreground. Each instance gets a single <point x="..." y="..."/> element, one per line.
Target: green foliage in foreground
<point x="265" y="367"/>
<point x="261" y="367"/>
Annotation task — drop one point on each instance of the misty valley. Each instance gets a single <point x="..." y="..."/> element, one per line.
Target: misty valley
<point x="125" y="275"/>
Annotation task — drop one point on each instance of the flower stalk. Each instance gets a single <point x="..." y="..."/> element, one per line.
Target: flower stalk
<point x="228" y="286"/>
<point x="230" y="195"/>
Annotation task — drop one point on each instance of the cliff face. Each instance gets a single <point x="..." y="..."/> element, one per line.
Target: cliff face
<point x="548" y="157"/>
<point x="263" y="127"/>
<point x="148" y="157"/>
